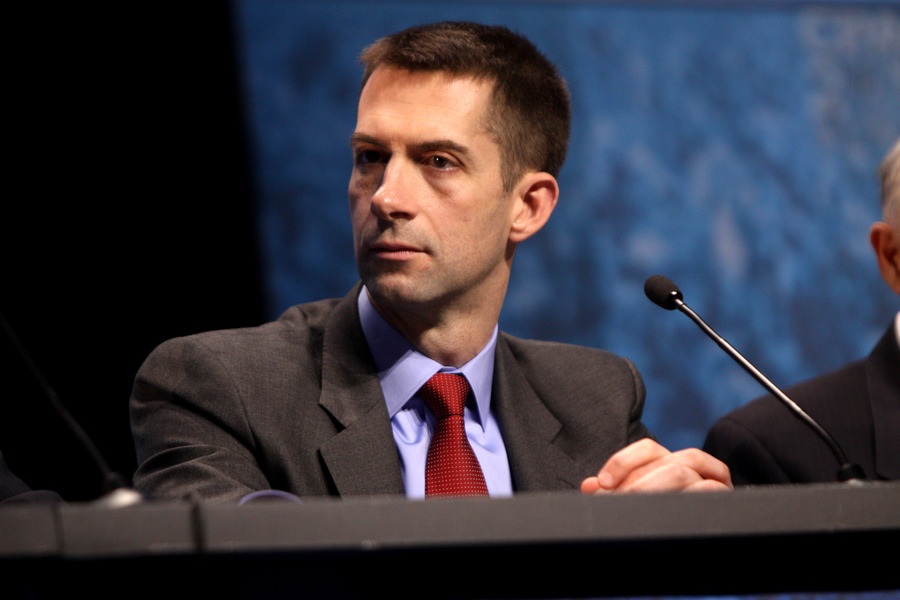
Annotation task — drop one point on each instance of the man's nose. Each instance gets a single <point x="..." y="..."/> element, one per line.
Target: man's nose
<point x="394" y="197"/>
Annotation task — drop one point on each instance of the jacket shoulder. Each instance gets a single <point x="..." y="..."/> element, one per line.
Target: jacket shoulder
<point x="297" y="326"/>
<point x="561" y="364"/>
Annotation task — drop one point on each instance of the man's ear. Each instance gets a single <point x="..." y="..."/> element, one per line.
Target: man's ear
<point x="536" y="195"/>
<point x="886" y="243"/>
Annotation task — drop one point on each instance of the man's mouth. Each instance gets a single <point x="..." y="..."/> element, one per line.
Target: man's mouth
<point x="393" y="250"/>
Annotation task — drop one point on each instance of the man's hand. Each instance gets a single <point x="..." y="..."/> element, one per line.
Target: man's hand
<point x="646" y="466"/>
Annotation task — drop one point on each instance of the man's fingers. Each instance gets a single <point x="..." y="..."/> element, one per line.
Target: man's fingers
<point x="646" y="466"/>
<point x="708" y="485"/>
<point x="626" y="461"/>
<point x="706" y="465"/>
<point x="681" y="470"/>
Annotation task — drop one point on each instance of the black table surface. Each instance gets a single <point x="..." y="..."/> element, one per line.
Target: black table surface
<point x="809" y="538"/>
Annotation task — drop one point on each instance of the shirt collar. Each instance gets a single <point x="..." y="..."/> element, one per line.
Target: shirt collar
<point x="403" y="370"/>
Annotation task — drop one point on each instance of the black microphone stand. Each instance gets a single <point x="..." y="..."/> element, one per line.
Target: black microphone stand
<point x="666" y="294"/>
<point x="116" y="492"/>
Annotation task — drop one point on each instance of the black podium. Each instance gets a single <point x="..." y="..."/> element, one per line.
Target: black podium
<point x="814" y="538"/>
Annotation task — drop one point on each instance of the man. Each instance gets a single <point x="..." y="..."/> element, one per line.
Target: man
<point x="461" y="131"/>
<point x="859" y="404"/>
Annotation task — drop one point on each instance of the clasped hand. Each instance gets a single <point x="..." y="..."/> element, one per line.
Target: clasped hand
<point x="646" y="466"/>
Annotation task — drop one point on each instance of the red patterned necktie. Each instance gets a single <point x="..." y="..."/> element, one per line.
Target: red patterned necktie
<point x="451" y="468"/>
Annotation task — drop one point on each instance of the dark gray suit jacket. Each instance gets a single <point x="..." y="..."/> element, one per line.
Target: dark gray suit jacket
<point x="296" y="405"/>
<point x="859" y="405"/>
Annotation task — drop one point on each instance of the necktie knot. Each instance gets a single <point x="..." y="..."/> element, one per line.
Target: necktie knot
<point x="445" y="394"/>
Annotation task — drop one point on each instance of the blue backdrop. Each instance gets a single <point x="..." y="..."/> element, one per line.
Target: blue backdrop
<point x="730" y="146"/>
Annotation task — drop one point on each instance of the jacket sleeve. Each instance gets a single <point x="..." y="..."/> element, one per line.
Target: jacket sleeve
<point x="744" y="453"/>
<point x="191" y="432"/>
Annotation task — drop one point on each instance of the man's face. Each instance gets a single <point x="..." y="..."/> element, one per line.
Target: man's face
<point x="431" y="222"/>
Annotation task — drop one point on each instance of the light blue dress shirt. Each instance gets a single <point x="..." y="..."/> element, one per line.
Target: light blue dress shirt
<point x="402" y="371"/>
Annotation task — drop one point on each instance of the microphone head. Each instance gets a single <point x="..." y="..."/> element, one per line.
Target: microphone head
<point x="662" y="292"/>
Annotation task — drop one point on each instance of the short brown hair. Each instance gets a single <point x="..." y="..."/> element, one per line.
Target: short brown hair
<point x="530" y="116"/>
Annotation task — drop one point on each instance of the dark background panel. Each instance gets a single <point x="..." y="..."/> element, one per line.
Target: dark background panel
<point x="128" y="219"/>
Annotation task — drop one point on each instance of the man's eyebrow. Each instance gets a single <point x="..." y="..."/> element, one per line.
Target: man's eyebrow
<point x="427" y="146"/>
<point x="449" y="145"/>
<point x="362" y="138"/>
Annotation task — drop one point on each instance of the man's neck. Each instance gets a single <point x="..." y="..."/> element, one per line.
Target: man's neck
<point x="449" y="336"/>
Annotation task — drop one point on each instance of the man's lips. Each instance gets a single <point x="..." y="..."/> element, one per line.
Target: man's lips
<point x="393" y="250"/>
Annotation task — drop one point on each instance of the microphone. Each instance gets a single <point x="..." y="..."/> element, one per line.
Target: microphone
<point x="662" y="292"/>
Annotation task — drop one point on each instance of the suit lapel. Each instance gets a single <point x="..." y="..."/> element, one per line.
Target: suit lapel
<point x="529" y="430"/>
<point x="362" y="457"/>
<point x="883" y="377"/>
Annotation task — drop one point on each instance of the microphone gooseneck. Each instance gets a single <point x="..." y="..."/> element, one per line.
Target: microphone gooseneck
<point x="116" y="492"/>
<point x="664" y="293"/>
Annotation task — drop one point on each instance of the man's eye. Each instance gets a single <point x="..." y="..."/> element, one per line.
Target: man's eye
<point x="368" y="157"/>
<point x="439" y="162"/>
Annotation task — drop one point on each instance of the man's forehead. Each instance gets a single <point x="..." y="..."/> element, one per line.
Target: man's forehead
<point x="421" y="99"/>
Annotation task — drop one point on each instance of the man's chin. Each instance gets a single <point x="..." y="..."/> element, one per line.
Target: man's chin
<point x="396" y="291"/>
